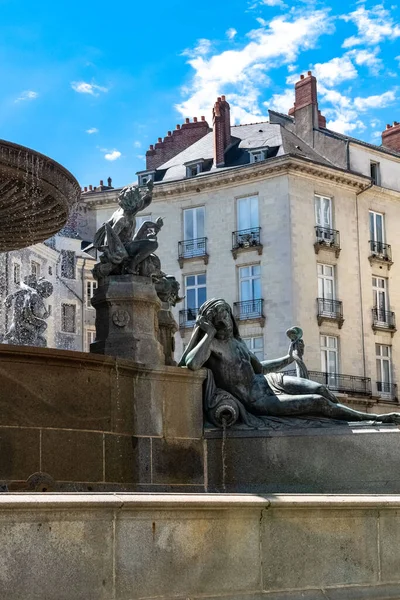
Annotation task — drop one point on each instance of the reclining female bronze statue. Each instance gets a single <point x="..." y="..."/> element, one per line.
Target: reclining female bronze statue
<point x="257" y="387"/>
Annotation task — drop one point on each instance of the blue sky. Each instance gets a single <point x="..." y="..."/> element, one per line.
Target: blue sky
<point x="93" y="84"/>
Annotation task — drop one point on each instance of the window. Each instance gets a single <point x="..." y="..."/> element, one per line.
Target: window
<point x="383" y="368"/>
<point x="256" y="346"/>
<point x="196" y="295"/>
<point x="17" y="273"/>
<point x="250" y="283"/>
<point x="193" y="169"/>
<point x="323" y="211"/>
<point x="257" y="155"/>
<point x="329" y="358"/>
<point x="375" y="173"/>
<point x="326" y="281"/>
<point x="35" y="269"/>
<point x="146" y="177"/>
<point x="380" y="298"/>
<point x="247" y="213"/>
<point x="68" y="264"/>
<point x="376" y="227"/>
<point x="90" y="338"/>
<point x="193" y="232"/>
<point x="68" y="318"/>
<point x="91" y="285"/>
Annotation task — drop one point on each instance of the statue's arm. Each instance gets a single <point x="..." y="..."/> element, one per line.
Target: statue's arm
<point x="269" y="366"/>
<point x="202" y="352"/>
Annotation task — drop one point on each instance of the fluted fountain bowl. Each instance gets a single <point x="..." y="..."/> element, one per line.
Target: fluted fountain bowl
<point x="36" y="196"/>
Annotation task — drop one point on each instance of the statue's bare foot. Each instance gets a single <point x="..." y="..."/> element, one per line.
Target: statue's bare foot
<point x="389" y="418"/>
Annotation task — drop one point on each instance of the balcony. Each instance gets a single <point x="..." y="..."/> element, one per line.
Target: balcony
<point x="187" y="318"/>
<point x="380" y="252"/>
<point x="330" y="310"/>
<point x="383" y="320"/>
<point x="249" y="310"/>
<point x="344" y="384"/>
<point x="387" y="391"/>
<point x="189" y="249"/>
<point x="246" y="239"/>
<point x="327" y="239"/>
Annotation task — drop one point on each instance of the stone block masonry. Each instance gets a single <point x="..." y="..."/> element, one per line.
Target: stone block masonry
<point x="181" y="546"/>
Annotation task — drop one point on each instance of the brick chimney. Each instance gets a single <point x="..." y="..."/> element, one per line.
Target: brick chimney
<point x="222" y="130"/>
<point x="391" y="137"/>
<point x="175" y="142"/>
<point x="305" y="110"/>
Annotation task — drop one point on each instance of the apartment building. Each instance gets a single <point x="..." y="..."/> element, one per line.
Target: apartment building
<point x="293" y="224"/>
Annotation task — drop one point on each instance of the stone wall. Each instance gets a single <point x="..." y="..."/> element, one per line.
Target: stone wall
<point x="126" y="547"/>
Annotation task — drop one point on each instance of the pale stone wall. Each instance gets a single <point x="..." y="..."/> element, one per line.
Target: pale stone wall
<point x="126" y="547"/>
<point x="360" y="160"/>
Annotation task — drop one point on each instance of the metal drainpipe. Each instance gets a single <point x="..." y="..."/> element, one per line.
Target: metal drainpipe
<point x="360" y="283"/>
<point x="7" y="290"/>
<point x="83" y="304"/>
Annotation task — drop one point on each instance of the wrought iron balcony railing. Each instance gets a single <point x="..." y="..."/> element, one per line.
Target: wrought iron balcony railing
<point x="187" y="317"/>
<point x="388" y="390"/>
<point x="380" y="251"/>
<point x="248" y="309"/>
<point x="246" y="238"/>
<point x="337" y="382"/>
<point x="192" y="249"/>
<point x="383" y="319"/>
<point x="330" y="309"/>
<point x="329" y="238"/>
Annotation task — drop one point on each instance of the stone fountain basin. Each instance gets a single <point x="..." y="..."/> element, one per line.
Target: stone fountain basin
<point x="36" y="196"/>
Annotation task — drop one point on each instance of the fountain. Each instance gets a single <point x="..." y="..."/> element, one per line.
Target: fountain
<point x="124" y="419"/>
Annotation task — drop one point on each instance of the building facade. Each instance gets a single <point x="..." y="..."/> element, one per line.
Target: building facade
<point x="291" y="223"/>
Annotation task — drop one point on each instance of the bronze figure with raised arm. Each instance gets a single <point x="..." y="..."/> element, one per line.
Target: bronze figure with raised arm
<point x="258" y="387"/>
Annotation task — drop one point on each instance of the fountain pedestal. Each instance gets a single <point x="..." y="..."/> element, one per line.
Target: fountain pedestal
<point x="126" y="319"/>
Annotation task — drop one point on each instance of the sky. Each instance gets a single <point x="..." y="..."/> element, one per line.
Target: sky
<point x="92" y="85"/>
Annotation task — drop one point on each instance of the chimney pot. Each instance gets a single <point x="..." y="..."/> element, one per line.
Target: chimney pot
<point x="159" y="140"/>
<point x="101" y="182"/>
<point x="309" y="73"/>
<point x="219" y="99"/>
<point x="194" y="119"/>
<point x="395" y="122"/>
<point x="301" y="76"/>
<point x="203" y="118"/>
<point x="223" y="98"/>
<point x="151" y="146"/>
<point x="109" y="181"/>
<point x="388" y="126"/>
<point x="90" y="188"/>
<point x="85" y="188"/>
<point x="178" y="127"/>
<point x="169" y="133"/>
<point x="187" y="120"/>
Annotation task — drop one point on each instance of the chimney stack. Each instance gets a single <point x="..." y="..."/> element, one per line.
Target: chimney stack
<point x="307" y="117"/>
<point x="391" y="137"/>
<point x="222" y="130"/>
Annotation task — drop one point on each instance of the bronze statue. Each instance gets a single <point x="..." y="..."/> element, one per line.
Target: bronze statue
<point x="244" y="388"/>
<point x="29" y="313"/>
<point x="123" y="248"/>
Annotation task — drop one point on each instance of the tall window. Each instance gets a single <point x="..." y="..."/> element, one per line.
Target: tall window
<point x="247" y="213"/>
<point x="375" y="173"/>
<point x="256" y="346"/>
<point x="323" y="211"/>
<point x="376" y="227"/>
<point x="329" y="357"/>
<point x="91" y="285"/>
<point x="68" y="264"/>
<point x="250" y="283"/>
<point x="383" y="368"/>
<point x="17" y="273"/>
<point x="193" y="231"/>
<point x="326" y="283"/>
<point x="90" y="338"/>
<point x="380" y="298"/>
<point x="196" y="294"/>
<point x="35" y="269"/>
<point x="68" y="318"/>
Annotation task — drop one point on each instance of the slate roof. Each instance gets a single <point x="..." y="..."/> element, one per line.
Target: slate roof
<point x="275" y="137"/>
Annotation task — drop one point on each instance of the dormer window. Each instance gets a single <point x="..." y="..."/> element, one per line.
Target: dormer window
<point x="258" y="155"/>
<point x="145" y="176"/>
<point x="194" y="167"/>
<point x="375" y="173"/>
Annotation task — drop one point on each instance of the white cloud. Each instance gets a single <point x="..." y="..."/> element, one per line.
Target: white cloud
<point x="92" y="130"/>
<point x="258" y="3"/>
<point x="137" y="144"/>
<point x="367" y="58"/>
<point x="27" y="95"/>
<point x="335" y="71"/>
<point x="241" y="74"/>
<point x="373" y="26"/>
<point x="141" y="156"/>
<point x="281" y="102"/>
<point x="87" y="88"/>
<point x="379" y="101"/>
<point x="231" y="33"/>
<point x="203" y="48"/>
<point x="112" y="155"/>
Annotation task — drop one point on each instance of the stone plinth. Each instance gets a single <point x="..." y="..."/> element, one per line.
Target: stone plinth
<point x="344" y="459"/>
<point x="202" y="547"/>
<point x="126" y="319"/>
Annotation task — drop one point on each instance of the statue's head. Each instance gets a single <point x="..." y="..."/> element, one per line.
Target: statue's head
<point x="130" y="197"/>
<point x="44" y="288"/>
<point x="219" y="313"/>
